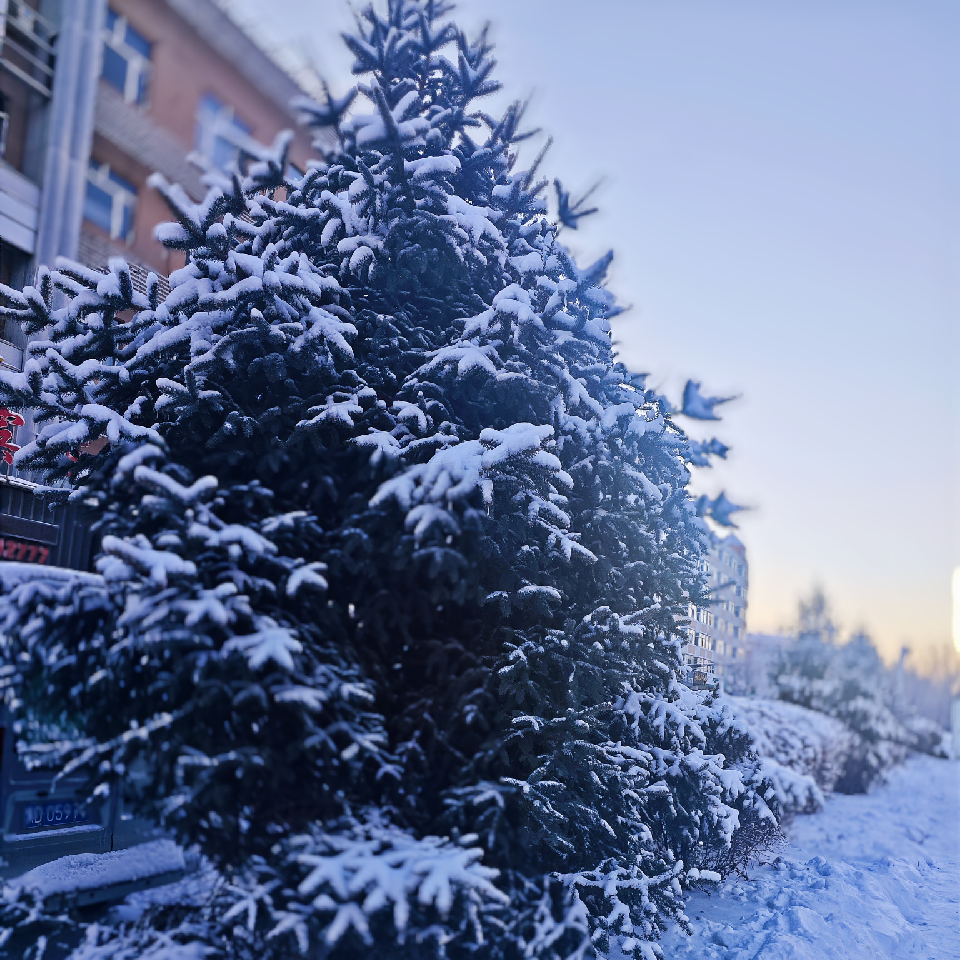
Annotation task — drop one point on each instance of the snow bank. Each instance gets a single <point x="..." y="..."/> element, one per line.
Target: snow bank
<point x="873" y="875"/>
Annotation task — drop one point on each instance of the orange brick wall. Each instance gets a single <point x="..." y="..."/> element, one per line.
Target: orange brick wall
<point x="183" y="69"/>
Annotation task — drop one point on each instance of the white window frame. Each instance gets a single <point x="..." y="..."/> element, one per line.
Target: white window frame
<point x="138" y="66"/>
<point x="221" y="123"/>
<point x="99" y="175"/>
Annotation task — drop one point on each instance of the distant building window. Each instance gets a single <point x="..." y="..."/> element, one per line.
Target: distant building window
<point x="110" y="201"/>
<point x="220" y="134"/>
<point x="126" y="58"/>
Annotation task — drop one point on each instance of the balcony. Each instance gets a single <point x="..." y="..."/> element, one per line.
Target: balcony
<point x="27" y="45"/>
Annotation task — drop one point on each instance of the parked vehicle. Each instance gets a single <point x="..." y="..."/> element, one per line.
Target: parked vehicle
<point x="45" y="817"/>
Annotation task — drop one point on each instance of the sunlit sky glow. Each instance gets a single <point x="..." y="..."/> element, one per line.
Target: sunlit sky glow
<point x="781" y="192"/>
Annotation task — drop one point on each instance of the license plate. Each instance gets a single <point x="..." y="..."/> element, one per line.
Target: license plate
<point x="52" y="814"/>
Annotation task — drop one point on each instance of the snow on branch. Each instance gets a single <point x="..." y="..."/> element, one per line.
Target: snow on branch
<point x="456" y="472"/>
<point x="352" y="878"/>
<point x="271" y="643"/>
<point x="124" y="556"/>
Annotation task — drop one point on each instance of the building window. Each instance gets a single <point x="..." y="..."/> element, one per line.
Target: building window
<point x="110" y="201"/>
<point x="220" y="135"/>
<point x="126" y="58"/>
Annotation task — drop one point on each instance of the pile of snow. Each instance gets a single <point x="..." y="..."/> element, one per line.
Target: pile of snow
<point x="804" y="752"/>
<point x="91" y="871"/>
<point x="872" y="875"/>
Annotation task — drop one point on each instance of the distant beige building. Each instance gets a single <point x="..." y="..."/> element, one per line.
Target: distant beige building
<point x="716" y="634"/>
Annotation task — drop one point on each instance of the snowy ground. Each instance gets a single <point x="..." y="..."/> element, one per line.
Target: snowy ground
<point x="875" y="876"/>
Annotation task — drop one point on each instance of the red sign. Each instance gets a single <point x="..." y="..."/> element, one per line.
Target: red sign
<point x="28" y="552"/>
<point x="8" y="421"/>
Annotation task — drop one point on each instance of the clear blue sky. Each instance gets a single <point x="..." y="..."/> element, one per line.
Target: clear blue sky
<point x="782" y="191"/>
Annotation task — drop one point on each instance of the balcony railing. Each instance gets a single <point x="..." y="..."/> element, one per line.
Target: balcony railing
<point x="27" y="45"/>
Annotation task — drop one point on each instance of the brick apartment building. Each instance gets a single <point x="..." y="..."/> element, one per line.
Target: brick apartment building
<point x="716" y="636"/>
<point x="95" y="95"/>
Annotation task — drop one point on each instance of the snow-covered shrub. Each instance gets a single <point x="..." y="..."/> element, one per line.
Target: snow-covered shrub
<point x="395" y="557"/>
<point x="803" y="752"/>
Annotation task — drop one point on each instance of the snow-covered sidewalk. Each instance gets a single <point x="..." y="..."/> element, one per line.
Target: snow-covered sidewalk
<point x="875" y="876"/>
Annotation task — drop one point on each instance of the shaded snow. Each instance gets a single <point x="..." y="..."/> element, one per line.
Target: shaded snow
<point x="874" y="875"/>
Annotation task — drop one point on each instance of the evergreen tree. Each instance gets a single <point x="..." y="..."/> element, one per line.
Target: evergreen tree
<point x="394" y="556"/>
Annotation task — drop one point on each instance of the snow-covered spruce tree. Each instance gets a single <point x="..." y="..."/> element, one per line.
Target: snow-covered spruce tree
<point x="395" y="557"/>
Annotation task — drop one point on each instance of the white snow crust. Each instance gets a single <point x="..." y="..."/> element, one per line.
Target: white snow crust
<point x="875" y="875"/>
<point x="88" y="871"/>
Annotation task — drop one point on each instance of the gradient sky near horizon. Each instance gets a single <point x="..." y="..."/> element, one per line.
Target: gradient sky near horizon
<point x="781" y="190"/>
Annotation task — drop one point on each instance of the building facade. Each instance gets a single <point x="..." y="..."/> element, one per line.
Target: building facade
<point x="95" y="96"/>
<point x="176" y="77"/>
<point x="716" y="634"/>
